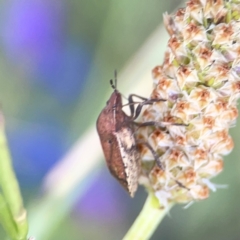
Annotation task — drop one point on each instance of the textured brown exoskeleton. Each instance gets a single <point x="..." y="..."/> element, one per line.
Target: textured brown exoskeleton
<point x="116" y="132"/>
<point x="119" y="146"/>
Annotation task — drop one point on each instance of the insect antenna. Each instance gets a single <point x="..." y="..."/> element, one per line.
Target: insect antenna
<point x="114" y="85"/>
<point x="115" y="78"/>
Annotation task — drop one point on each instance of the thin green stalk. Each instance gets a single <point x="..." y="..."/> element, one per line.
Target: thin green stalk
<point x="10" y="189"/>
<point x="148" y="220"/>
<point x="6" y="219"/>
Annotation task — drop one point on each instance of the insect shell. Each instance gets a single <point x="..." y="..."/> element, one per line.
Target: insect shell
<point x="115" y="130"/>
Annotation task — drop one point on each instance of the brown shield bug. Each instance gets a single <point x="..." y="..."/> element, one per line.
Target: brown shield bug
<point x="118" y="143"/>
<point x="116" y="131"/>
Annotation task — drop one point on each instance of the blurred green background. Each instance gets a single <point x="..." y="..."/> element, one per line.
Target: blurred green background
<point x="56" y="59"/>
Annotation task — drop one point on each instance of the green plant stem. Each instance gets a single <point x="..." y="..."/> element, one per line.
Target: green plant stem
<point x="10" y="189"/>
<point x="148" y="219"/>
<point x="6" y="219"/>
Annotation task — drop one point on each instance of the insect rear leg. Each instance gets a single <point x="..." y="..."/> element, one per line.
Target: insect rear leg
<point x="159" y="163"/>
<point x="155" y="155"/>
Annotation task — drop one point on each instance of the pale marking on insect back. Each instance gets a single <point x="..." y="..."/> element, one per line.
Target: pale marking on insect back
<point x="130" y="157"/>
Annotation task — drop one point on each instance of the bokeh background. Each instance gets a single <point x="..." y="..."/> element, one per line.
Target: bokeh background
<point x="56" y="59"/>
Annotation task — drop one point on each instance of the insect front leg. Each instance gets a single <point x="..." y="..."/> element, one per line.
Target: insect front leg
<point x="146" y="101"/>
<point x="132" y="103"/>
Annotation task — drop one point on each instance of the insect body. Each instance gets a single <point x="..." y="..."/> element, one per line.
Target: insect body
<point x="116" y="133"/>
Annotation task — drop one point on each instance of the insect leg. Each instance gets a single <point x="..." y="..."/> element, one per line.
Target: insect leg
<point x="155" y="155"/>
<point x="159" y="163"/>
<point x="146" y="101"/>
<point x="181" y="185"/>
<point x="157" y="124"/>
<point x="131" y="103"/>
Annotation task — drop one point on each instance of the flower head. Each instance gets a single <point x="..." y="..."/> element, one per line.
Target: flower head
<point x="200" y="81"/>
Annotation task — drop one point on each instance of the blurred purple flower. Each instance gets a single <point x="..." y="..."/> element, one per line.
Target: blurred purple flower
<point x="32" y="28"/>
<point x="35" y="148"/>
<point x="103" y="198"/>
<point x="35" y="38"/>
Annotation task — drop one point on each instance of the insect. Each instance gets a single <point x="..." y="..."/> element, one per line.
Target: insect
<point x="116" y="131"/>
